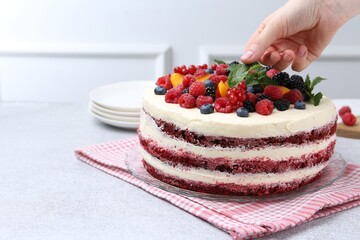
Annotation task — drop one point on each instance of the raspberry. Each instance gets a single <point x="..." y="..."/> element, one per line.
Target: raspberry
<point x="204" y="66"/>
<point x="282" y="78"/>
<point x="264" y="107"/>
<point x="184" y="70"/>
<point x="270" y="73"/>
<point x="200" y="73"/>
<point x="274" y="92"/>
<point x="177" y="69"/>
<point x="197" y="89"/>
<point x="294" y="96"/>
<point x="187" y="101"/>
<point x="223" y="78"/>
<point x="180" y="87"/>
<point x="192" y="69"/>
<point x="164" y="82"/>
<point x="214" y="78"/>
<point x="172" y="96"/>
<point x="201" y="100"/>
<point x="221" y="69"/>
<point x="344" y="109"/>
<point x="348" y="119"/>
<point x="251" y="97"/>
<point x="214" y="66"/>
<point x="223" y="105"/>
<point x="282" y="104"/>
<point x="188" y="80"/>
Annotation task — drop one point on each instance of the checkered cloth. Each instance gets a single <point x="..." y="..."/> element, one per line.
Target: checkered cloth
<point x="241" y="220"/>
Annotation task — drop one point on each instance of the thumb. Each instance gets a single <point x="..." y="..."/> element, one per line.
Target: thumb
<point x="266" y="35"/>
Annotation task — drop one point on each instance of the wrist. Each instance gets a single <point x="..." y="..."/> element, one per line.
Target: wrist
<point x="342" y="10"/>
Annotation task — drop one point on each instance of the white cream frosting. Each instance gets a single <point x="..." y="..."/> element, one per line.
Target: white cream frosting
<point x="278" y="123"/>
<point x="149" y="130"/>
<point x="214" y="177"/>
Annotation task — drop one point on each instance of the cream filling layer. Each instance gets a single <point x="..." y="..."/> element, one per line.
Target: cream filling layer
<point x="149" y="130"/>
<point x="215" y="177"/>
<point x="279" y="123"/>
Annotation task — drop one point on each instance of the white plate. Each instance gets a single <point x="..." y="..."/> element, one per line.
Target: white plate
<point x="113" y="112"/>
<point x="123" y="96"/>
<point x="114" y="117"/>
<point x="127" y="125"/>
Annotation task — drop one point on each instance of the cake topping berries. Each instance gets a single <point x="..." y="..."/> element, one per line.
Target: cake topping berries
<point x="236" y="87"/>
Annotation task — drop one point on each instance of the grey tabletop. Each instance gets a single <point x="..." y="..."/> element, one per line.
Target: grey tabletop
<point x="45" y="193"/>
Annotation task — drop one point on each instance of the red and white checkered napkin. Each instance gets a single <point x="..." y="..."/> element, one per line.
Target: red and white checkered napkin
<point x="241" y="220"/>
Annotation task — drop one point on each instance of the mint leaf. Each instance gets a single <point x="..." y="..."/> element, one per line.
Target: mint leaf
<point x="219" y="61"/>
<point x="316" y="99"/>
<point x="316" y="81"/>
<point x="237" y="74"/>
<point x="308" y="83"/>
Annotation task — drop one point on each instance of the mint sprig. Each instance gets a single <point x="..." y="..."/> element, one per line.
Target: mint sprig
<point x="309" y="88"/>
<point x="253" y="74"/>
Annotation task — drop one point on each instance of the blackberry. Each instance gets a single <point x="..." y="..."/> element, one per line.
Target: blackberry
<point x="257" y="88"/>
<point x="186" y="90"/>
<point x="306" y="96"/>
<point x="282" y="104"/>
<point x="282" y="78"/>
<point x="262" y="96"/>
<point x="249" y="105"/>
<point x="233" y="63"/>
<point x="211" y="91"/>
<point x="297" y="82"/>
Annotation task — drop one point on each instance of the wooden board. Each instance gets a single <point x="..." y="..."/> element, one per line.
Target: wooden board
<point x="349" y="132"/>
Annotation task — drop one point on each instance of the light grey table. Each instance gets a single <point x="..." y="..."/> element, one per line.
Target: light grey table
<point x="45" y="193"/>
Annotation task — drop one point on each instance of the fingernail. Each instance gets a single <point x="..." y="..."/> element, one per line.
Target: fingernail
<point x="247" y="55"/>
<point x="301" y="52"/>
<point x="287" y="57"/>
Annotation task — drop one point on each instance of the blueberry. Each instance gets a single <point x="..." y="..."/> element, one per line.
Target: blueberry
<point x="250" y="89"/>
<point x="159" y="90"/>
<point x="242" y="112"/>
<point x="209" y="83"/>
<point x="207" y="108"/>
<point x="209" y="70"/>
<point x="300" y="105"/>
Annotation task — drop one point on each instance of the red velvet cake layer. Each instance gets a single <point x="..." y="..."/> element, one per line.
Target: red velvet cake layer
<point x="248" y="143"/>
<point x="227" y="188"/>
<point x="253" y="165"/>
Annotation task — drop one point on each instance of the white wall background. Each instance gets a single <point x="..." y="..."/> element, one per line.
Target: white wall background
<point x="59" y="50"/>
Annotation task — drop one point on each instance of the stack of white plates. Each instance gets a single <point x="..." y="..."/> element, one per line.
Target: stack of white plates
<point x="119" y="104"/>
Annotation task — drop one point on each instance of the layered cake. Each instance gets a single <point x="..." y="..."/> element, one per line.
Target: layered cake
<point x="207" y="130"/>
